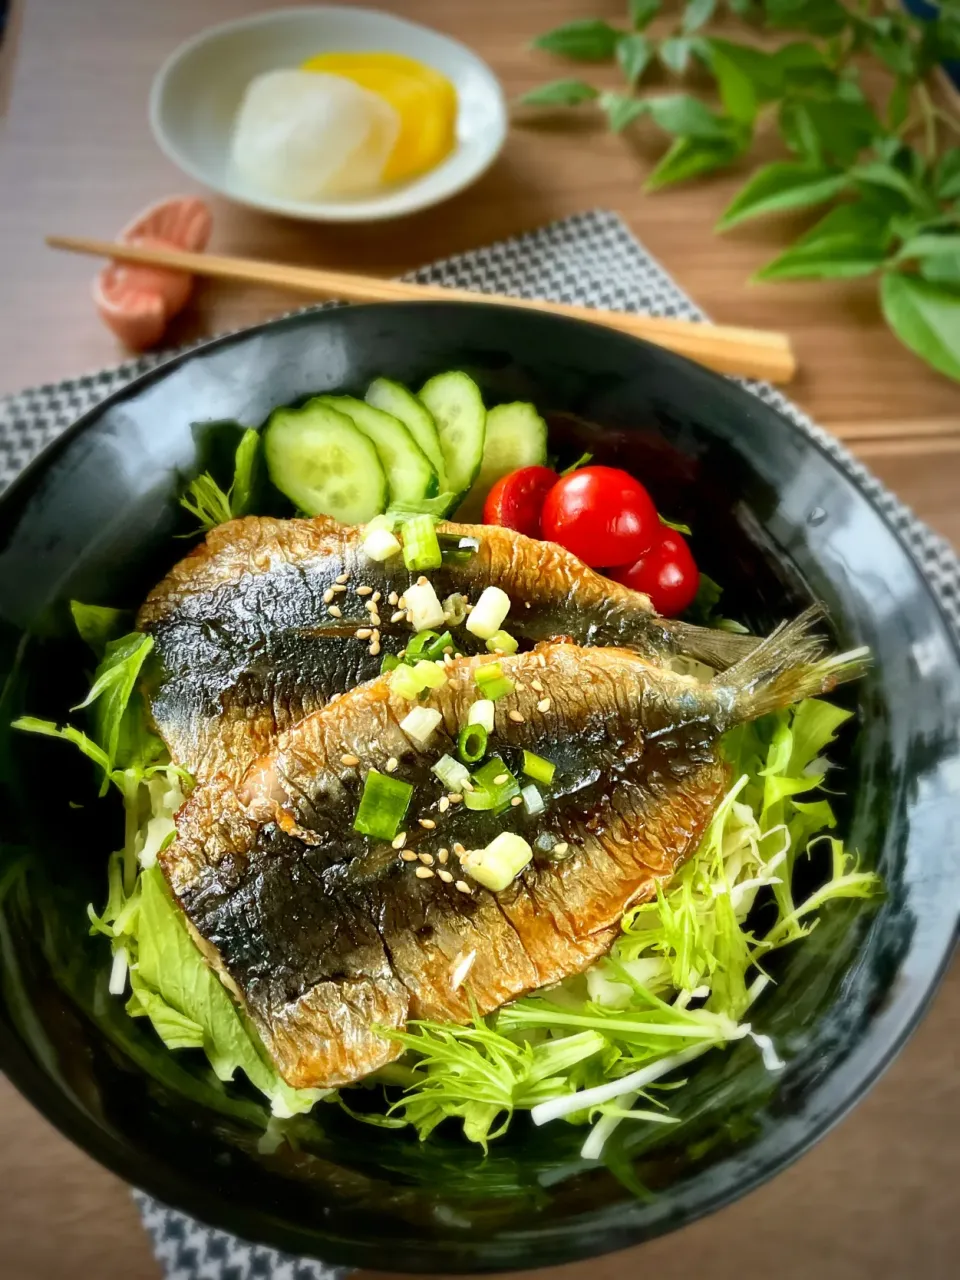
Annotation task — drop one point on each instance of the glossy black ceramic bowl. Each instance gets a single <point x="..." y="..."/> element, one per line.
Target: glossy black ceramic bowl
<point x="775" y="519"/>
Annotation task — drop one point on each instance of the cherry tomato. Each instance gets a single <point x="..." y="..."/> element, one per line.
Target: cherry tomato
<point x="602" y="515"/>
<point x="516" y="500"/>
<point x="667" y="573"/>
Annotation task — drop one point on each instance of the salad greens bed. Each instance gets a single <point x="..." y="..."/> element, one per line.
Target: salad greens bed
<point x="597" y="1048"/>
<point x="594" y="1050"/>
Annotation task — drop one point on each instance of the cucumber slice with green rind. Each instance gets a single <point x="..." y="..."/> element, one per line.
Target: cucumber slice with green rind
<point x="323" y="464"/>
<point x="516" y="436"/>
<point x="393" y="397"/>
<point x="455" y="402"/>
<point x="410" y="476"/>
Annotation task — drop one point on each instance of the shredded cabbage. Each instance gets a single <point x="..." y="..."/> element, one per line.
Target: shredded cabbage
<point x="677" y="983"/>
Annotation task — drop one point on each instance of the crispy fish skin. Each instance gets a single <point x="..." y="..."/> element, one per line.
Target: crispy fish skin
<point x="249" y="640"/>
<point x="329" y="934"/>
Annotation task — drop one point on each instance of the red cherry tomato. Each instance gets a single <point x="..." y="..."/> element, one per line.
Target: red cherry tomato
<point x="667" y="574"/>
<point x="602" y="515"/>
<point x="516" y="500"/>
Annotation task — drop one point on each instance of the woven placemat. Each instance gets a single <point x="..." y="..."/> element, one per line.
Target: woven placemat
<point x="590" y="258"/>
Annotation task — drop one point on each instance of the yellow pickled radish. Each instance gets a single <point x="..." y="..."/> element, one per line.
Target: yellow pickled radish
<point x="423" y="98"/>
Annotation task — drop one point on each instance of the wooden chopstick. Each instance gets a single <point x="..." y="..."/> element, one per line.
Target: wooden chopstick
<point x="751" y="353"/>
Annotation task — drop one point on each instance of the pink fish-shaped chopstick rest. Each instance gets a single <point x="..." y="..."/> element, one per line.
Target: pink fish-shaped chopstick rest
<point x="138" y="302"/>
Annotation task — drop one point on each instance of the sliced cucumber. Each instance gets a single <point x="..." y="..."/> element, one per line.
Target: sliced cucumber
<point x="457" y="408"/>
<point x="410" y="477"/>
<point x="516" y="437"/>
<point x="324" y="465"/>
<point x="393" y="397"/>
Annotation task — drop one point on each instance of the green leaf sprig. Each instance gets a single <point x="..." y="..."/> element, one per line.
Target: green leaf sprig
<point x="886" y="173"/>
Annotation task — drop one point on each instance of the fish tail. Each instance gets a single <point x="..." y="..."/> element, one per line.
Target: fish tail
<point x="718" y="649"/>
<point x="793" y="662"/>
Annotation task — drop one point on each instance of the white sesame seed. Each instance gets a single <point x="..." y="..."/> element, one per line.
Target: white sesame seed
<point x="528" y="604"/>
<point x="561" y="848"/>
<point x="363" y="633"/>
<point x="516" y="717"/>
<point x="428" y="824"/>
<point x="370" y="607"/>
<point x="337" y="588"/>
<point x="328" y="596"/>
<point x="400" y="840"/>
<point x="444" y="804"/>
<point x="402" y="602"/>
<point x="334" y="611"/>
<point x="541" y="659"/>
<point x="459" y="850"/>
<point x="448" y="649"/>
<point x="445" y="876"/>
<point x="426" y="859"/>
<point x="535" y="684"/>
<point x="392" y="598"/>
<point x="443" y="855"/>
<point x="349" y="760"/>
<point x="447" y="660"/>
<point x="424" y="873"/>
<point x="468" y="608"/>
<point x="517" y="800"/>
<point x="422" y="581"/>
<point x="344" y="577"/>
<point x="398" y="616"/>
<point x="376" y="597"/>
<point x="364" y="591"/>
<point x="391" y="765"/>
<point x="543" y="704"/>
<point x="500" y="779"/>
<point x="408" y="855"/>
<point x="467" y="786"/>
<point x="374" y="648"/>
<point x="463" y="886"/>
<point x="455" y="797"/>
<point x="374" y="620"/>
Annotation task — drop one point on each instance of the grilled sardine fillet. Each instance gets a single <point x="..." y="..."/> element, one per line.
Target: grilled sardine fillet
<point x="254" y="629"/>
<point x="329" y="934"/>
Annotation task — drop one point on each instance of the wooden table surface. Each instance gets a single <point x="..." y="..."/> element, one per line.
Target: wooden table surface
<point x="878" y="1196"/>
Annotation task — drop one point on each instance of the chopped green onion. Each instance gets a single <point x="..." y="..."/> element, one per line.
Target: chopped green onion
<point x="492" y="682"/>
<point x="488" y="613"/>
<point x="429" y="646"/>
<point x="389" y="662"/>
<point x="421" y="549"/>
<point x="380" y="545"/>
<point x="409" y="682"/>
<point x="494" y="786"/>
<point x="537" y="768"/>
<point x="481" y="712"/>
<point x="455" y="609"/>
<point x="457" y="550"/>
<point x="451" y="773"/>
<point x="420" y="723"/>
<point x="423" y="606"/>
<point x="430" y="674"/>
<point x="472" y="743"/>
<point x="532" y="800"/>
<point x="499" y="864"/>
<point x="405" y="683"/>
<point x="383" y="805"/>
<point x="502" y="642"/>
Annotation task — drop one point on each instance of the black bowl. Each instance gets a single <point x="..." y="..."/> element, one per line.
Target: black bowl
<point x="775" y="518"/>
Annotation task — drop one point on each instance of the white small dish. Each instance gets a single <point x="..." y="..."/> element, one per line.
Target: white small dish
<point x="195" y="95"/>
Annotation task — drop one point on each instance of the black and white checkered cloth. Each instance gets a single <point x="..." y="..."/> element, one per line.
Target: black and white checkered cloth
<point x="593" y="259"/>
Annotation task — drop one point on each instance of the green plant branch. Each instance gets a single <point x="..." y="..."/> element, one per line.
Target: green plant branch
<point x="891" y="209"/>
